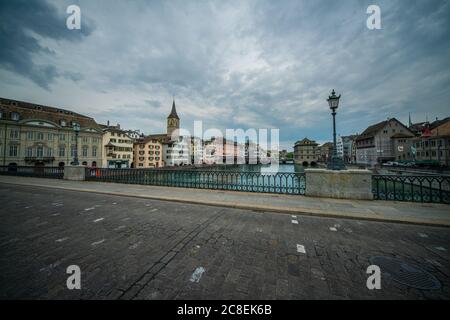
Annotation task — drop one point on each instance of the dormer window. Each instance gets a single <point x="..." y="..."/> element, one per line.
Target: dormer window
<point x="15" y="116"/>
<point x="63" y="123"/>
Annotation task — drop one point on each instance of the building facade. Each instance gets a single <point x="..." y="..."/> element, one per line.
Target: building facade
<point x="346" y="149"/>
<point x="117" y="148"/>
<point x="306" y="152"/>
<point x="166" y="149"/>
<point x="325" y="152"/>
<point x="432" y="149"/>
<point x="148" y="153"/>
<point x="382" y="142"/>
<point x="37" y="135"/>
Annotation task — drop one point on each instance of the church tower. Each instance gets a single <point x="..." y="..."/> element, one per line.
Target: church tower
<point x="173" y="121"/>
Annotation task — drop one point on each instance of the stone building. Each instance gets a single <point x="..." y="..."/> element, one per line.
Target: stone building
<point x="382" y="142"/>
<point x="118" y="147"/>
<point x="432" y="149"/>
<point x="306" y="152"/>
<point x="433" y="145"/>
<point x="325" y="152"/>
<point x="37" y="135"/>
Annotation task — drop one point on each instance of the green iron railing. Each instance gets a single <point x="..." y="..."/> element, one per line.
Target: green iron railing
<point x="276" y="182"/>
<point x="424" y="188"/>
<point x="38" y="172"/>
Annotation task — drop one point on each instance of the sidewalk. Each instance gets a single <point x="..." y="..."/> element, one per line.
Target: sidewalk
<point x="388" y="211"/>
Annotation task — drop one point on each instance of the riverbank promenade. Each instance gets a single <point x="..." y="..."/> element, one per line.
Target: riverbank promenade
<point x="377" y="210"/>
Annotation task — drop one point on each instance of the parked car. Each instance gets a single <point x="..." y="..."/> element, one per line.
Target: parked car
<point x="390" y="164"/>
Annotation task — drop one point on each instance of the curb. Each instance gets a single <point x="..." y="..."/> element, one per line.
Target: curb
<point x="283" y="210"/>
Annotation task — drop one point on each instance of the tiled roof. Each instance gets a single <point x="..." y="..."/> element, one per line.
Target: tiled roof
<point x="437" y="123"/>
<point x="33" y="111"/>
<point x="306" y="141"/>
<point x="162" y="138"/>
<point x="372" y="130"/>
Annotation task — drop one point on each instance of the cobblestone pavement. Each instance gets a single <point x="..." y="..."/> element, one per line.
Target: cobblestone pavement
<point x="130" y="248"/>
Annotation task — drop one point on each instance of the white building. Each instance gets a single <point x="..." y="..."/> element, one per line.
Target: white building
<point x="177" y="153"/>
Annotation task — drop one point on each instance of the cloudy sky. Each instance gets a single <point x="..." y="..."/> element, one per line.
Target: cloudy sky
<point x="231" y="64"/>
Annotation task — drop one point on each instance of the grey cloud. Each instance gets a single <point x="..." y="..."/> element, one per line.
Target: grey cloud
<point x="19" y="19"/>
<point x="249" y="63"/>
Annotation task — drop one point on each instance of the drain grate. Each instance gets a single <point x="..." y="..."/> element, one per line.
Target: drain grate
<point x="406" y="274"/>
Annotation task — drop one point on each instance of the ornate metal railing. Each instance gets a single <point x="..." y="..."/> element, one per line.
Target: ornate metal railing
<point x="39" y="172"/>
<point x="424" y="188"/>
<point x="276" y="182"/>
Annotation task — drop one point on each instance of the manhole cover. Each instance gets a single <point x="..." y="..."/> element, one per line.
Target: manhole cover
<point x="406" y="274"/>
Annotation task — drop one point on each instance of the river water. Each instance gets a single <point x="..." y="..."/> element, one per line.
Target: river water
<point x="287" y="168"/>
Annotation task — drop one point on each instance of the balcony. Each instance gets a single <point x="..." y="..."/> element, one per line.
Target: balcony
<point x="39" y="159"/>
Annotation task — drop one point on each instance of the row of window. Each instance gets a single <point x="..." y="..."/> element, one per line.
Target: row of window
<point x="119" y="135"/>
<point x="118" y="156"/>
<point x="427" y="154"/>
<point x="150" y="146"/>
<point x="120" y="141"/>
<point x="16" y="117"/>
<point x="431" y="143"/>
<point x="150" y="165"/>
<point x="150" y="152"/>
<point x="13" y="116"/>
<point x="41" y="151"/>
<point x="150" y="158"/>
<point x="40" y="136"/>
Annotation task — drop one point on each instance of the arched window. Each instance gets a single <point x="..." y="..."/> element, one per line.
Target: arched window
<point x="94" y="163"/>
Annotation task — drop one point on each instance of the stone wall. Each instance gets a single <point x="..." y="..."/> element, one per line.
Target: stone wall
<point x="75" y="173"/>
<point x="344" y="184"/>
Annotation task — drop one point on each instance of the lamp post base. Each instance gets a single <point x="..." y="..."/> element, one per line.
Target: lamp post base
<point x="336" y="163"/>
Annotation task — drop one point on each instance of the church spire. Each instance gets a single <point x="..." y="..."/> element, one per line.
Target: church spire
<point x="410" y="123"/>
<point x="173" y="121"/>
<point x="173" y="113"/>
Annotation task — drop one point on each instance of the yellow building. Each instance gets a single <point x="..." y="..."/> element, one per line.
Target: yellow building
<point x="118" y="147"/>
<point x="148" y="152"/>
<point x="37" y="135"/>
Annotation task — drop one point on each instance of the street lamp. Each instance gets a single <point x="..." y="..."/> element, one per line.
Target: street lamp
<point x="336" y="162"/>
<point x="76" y="128"/>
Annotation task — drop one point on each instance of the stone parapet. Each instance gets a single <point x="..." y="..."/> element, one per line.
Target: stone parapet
<point x="74" y="173"/>
<point x="342" y="184"/>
